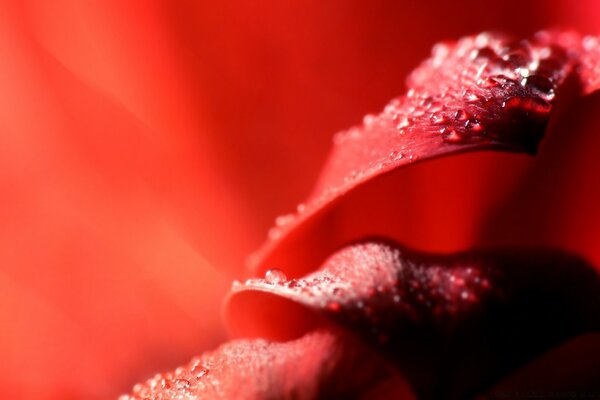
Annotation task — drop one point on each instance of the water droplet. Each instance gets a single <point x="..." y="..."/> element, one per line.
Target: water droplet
<point x="275" y="276"/>
<point x="395" y="156"/>
<point x="199" y="371"/>
<point x="391" y="109"/>
<point x="369" y="120"/>
<point x="397" y="298"/>
<point x="484" y="53"/>
<point x="403" y="123"/>
<point x="461" y="115"/>
<point x="339" y="138"/>
<point x="181" y="384"/>
<point x="283" y="220"/>
<point x="464" y="295"/>
<point x="437" y="118"/>
<point x="474" y="125"/>
<point x="524" y="72"/>
<point x="488" y="83"/>
<point x="527" y="105"/>
<point x="274" y="233"/>
<point x="516" y="58"/>
<point x="301" y="208"/>
<point x="539" y="84"/>
<point x="440" y="50"/>
<point x="451" y="136"/>
<point x="483" y="39"/>
<point x="334" y="306"/>
<point x="546" y="52"/>
<point x="589" y="43"/>
<point x="165" y="384"/>
<point x="469" y="96"/>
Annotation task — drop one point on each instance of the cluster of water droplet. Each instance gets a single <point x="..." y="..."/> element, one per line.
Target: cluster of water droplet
<point x="590" y="63"/>
<point x="468" y="92"/>
<point x="377" y="287"/>
<point x="182" y="384"/>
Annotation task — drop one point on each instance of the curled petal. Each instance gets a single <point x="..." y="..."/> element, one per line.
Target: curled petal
<point x="486" y="92"/>
<point x="453" y="324"/>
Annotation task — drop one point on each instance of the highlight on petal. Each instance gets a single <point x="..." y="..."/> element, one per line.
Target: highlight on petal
<point x="452" y="324"/>
<point x="322" y="364"/>
<point x="485" y="92"/>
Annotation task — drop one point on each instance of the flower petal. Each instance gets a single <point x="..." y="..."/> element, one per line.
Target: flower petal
<point x="321" y="364"/>
<point x="486" y="92"/>
<point x="452" y="323"/>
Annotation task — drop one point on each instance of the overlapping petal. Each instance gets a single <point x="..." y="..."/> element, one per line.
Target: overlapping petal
<point x="487" y="92"/>
<point x="452" y="324"/>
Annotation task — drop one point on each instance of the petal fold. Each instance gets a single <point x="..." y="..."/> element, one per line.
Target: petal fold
<point x="484" y="92"/>
<point x="452" y="324"/>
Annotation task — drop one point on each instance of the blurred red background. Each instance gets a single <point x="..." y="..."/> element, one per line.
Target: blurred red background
<point x="147" y="146"/>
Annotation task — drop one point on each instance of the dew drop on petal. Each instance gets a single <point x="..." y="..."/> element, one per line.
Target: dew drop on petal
<point x="403" y="123"/>
<point x="461" y="115"/>
<point x="395" y="155"/>
<point x="275" y="276"/>
<point x="283" y="220"/>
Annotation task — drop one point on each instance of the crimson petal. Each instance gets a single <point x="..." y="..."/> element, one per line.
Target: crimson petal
<point x="320" y="365"/>
<point x="486" y="92"/>
<point x="453" y="324"/>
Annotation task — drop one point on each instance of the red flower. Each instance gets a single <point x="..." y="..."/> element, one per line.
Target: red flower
<point x="378" y="320"/>
<point x="146" y="146"/>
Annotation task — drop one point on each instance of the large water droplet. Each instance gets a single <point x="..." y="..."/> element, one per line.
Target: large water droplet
<point x="527" y="105"/>
<point x="275" y="276"/>
<point x="539" y="84"/>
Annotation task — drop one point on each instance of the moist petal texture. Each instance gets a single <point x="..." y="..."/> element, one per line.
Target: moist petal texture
<point x="452" y="324"/>
<point x="322" y="364"/>
<point x="485" y="92"/>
